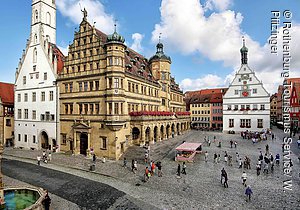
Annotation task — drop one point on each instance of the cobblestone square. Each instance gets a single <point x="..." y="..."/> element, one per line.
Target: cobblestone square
<point x="201" y="187"/>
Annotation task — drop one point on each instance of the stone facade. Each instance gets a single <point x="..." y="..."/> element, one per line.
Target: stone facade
<point x="273" y="106"/>
<point x="246" y="104"/>
<point x="112" y="97"/>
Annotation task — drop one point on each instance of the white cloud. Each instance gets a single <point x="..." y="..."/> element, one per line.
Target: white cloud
<point x="219" y="5"/>
<point x="208" y="81"/>
<point x="218" y="37"/>
<point x="64" y="50"/>
<point x="95" y="10"/>
<point x="137" y="39"/>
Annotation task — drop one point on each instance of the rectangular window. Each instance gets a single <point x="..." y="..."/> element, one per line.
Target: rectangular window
<point x="236" y="92"/>
<point x="25" y="138"/>
<point x="163" y="102"/>
<point x="228" y="107"/>
<point x="24" y="80"/>
<point x="34" y="139"/>
<point x="91" y="85"/>
<point x="19" y="137"/>
<point x="66" y="108"/>
<point x="254" y="90"/>
<point x="116" y="111"/>
<point x="85" y="86"/>
<point x="109" y="108"/>
<point x="103" y="143"/>
<point x="71" y="87"/>
<point x="66" y="88"/>
<point x="33" y="114"/>
<point x="51" y="96"/>
<point x="26" y="114"/>
<point x="47" y="116"/>
<point x="259" y="123"/>
<point x="8" y="122"/>
<point x="97" y="108"/>
<point x="45" y="76"/>
<point x="64" y="138"/>
<point x="248" y="107"/>
<point x="91" y="109"/>
<point x="86" y="108"/>
<point x="248" y="123"/>
<point x="110" y="61"/>
<point x="19" y="97"/>
<point x="43" y="96"/>
<point x="42" y="117"/>
<point x="242" y="107"/>
<point x="242" y="123"/>
<point x="26" y="97"/>
<point x="97" y="85"/>
<point x="254" y="106"/>
<point x="109" y="83"/>
<point x="262" y="107"/>
<point x="52" y="117"/>
<point x="80" y="86"/>
<point x="80" y="108"/>
<point x="71" y="108"/>
<point x="34" y="97"/>
<point x="116" y="82"/>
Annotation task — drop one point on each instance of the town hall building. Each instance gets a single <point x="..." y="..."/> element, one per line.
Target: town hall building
<point x="246" y="104"/>
<point x="36" y="91"/>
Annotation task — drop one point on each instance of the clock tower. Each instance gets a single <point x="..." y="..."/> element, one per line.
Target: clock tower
<point x="246" y="104"/>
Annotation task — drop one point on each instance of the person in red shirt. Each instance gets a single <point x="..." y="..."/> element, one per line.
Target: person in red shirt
<point x="152" y="169"/>
<point x="146" y="176"/>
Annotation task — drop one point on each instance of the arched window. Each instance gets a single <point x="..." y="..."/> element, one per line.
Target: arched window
<point x="36" y="16"/>
<point x="34" y="55"/>
<point x="48" y="18"/>
<point x="35" y="39"/>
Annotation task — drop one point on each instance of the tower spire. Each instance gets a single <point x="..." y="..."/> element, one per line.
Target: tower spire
<point x="244" y="52"/>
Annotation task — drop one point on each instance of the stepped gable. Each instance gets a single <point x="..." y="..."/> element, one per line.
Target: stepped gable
<point x="174" y="85"/>
<point x="59" y="57"/>
<point x="7" y="93"/>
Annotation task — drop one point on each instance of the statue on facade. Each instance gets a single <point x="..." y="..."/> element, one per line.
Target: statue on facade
<point x="84" y="13"/>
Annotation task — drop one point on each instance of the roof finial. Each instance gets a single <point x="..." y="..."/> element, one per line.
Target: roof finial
<point x="159" y="37"/>
<point x="115" y="25"/>
<point x="243" y="41"/>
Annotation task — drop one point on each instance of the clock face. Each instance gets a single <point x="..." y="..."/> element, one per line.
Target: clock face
<point x="245" y="77"/>
<point x="245" y="93"/>
<point x="245" y="87"/>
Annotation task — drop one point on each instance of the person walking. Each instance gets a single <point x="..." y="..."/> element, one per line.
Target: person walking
<point x="298" y="142"/>
<point x="178" y="170"/>
<point x="50" y="157"/>
<point x="124" y="162"/>
<point x="209" y="142"/>
<point x="225" y="180"/>
<point x="135" y="166"/>
<point x="219" y="158"/>
<point x="237" y="157"/>
<point x="223" y="172"/>
<point x="146" y="157"/>
<point x="38" y="160"/>
<point x="240" y="163"/>
<point x="206" y="156"/>
<point x="258" y="169"/>
<point x="267" y="149"/>
<point x="277" y="158"/>
<point x="248" y="193"/>
<point x="231" y="143"/>
<point x="147" y="174"/>
<point x="152" y="169"/>
<point x="183" y="168"/>
<point x="94" y="158"/>
<point x="244" y="178"/>
<point x="226" y="157"/>
<point x="132" y="165"/>
<point x="235" y="144"/>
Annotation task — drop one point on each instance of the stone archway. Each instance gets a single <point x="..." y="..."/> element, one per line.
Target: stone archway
<point x="162" y="132"/>
<point x="168" y="131"/>
<point x="44" y="140"/>
<point x="83" y="143"/>
<point x="155" y="131"/>
<point x="135" y="133"/>
<point x="173" y="130"/>
<point x="178" y="128"/>
<point x="147" y="135"/>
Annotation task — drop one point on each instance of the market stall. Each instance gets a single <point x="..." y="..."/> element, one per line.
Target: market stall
<point x="187" y="151"/>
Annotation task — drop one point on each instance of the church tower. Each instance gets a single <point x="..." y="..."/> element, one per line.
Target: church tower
<point x="36" y="92"/>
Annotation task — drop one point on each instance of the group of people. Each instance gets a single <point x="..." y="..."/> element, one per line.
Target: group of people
<point x="150" y="170"/>
<point x="45" y="158"/>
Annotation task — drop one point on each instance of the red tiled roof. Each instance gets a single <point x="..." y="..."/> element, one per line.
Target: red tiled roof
<point x="7" y="93"/>
<point x="205" y="91"/>
<point x="60" y="58"/>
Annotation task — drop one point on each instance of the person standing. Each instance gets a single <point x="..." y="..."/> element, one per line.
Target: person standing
<point x="244" y="178"/>
<point x="132" y="165"/>
<point x="178" y="170"/>
<point x="206" y="156"/>
<point x="146" y="175"/>
<point x="258" y="169"/>
<point x="124" y="162"/>
<point x="219" y="158"/>
<point x="215" y="158"/>
<point x="267" y="149"/>
<point x="94" y="158"/>
<point x="47" y="201"/>
<point x="231" y="142"/>
<point x="298" y="142"/>
<point x="240" y="163"/>
<point x="226" y="157"/>
<point x="50" y="156"/>
<point x="209" y="142"/>
<point x="237" y="157"/>
<point x="235" y="144"/>
<point x="248" y="192"/>
<point x="135" y="166"/>
<point x="223" y="172"/>
<point x="159" y="173"/>
<point x="183" y="168"/>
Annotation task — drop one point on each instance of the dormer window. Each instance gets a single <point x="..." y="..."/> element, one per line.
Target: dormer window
<point x="133" y="60"/>
<point x="143" y="66"/>
<point x="127" y="52"/>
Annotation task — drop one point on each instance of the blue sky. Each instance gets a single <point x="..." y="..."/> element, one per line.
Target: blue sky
<point x="203" y="38"/>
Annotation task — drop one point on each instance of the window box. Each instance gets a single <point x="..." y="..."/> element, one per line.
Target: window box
<point x="231" y="126"/>
<point x="254" y="109"/>
<point x="247" y="109"/>
<point x="235" y="109"/>
<point x="248" y="126"/>
<point x="242" y="109"/>
<point x="259" y="127"/>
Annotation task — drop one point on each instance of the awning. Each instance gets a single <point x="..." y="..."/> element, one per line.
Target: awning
<point x="190" y="147"/>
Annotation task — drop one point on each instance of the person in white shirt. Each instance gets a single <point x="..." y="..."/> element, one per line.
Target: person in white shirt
<point x="244" y="178"/>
